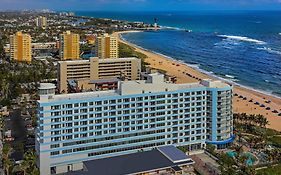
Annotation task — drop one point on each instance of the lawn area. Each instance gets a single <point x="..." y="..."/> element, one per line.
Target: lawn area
<point x="276" y="141"/>
<point x="275" y="170"/>
<point x="128" y="51"/>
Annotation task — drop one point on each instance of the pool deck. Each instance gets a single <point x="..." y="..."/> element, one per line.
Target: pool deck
<point x="204" y="164"/>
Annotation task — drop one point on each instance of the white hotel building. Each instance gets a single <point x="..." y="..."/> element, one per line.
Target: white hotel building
<point x="139" y="115"/>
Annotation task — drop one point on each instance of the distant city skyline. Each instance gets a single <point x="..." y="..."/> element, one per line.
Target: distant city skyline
<point x="141" y="5"/>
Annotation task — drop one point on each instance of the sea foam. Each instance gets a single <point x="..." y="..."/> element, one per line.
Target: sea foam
<point x="269" y="50"/>
<point x="242" y="38"/>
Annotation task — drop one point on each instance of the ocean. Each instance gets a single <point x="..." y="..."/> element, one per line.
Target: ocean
<point x="240" y="46"/>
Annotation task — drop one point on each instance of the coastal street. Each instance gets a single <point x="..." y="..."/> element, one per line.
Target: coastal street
<point x="16" y="124"/>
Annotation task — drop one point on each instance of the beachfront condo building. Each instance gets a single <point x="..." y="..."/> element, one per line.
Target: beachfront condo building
<point x="138" y="116"/>
<point x="69" y="46"/>
<point x="107" y="46"/>
<point x="20" y="47"/>
<point x="84" y="71"/>
<point x="41" y="22"/>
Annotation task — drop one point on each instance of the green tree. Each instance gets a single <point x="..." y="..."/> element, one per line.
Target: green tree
<point x="7" y="163"/>
<point x="30" y="160"/>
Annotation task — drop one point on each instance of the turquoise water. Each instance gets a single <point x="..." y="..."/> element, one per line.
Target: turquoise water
<point x="241" y="46"/>
<point x="250" y="161"/>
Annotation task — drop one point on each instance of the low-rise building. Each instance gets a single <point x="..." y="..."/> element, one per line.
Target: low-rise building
<point x="162" y="160"/>
<point x="85" y="71"/>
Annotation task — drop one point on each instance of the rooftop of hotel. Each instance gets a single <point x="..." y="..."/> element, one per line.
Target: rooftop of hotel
<point x="155" y="83"/>
<point x="96" y="58"/>
<point x="159" y="158"/>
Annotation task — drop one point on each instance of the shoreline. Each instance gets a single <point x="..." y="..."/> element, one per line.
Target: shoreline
<point x="160" y="61"/>
<point x="194" y="66"/>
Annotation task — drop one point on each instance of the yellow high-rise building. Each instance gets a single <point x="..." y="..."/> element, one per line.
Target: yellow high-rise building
<point x="69" y="46"/>
<point x="20" y="47"/>
<point x="41" y="22"/>
<point x="107" y="47"/>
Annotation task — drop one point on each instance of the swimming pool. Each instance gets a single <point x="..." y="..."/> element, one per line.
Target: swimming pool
<point x="250" y="161"/>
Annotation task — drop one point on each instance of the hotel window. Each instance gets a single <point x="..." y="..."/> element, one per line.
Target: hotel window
<point x="83" y="123"/>
<point x="69" y="112"/>
<point x="98" y="115"/>
<point x="54" y="139"/>
<point x="126" y="118"/>
<point x="126" y="100"/>
<point x="112" y="107"/>
<point x="98" y="103"/>
<point x="55" y="153"/>
<point x="55" y="146"/>
<point x="112" y="119"/>
<point x="83" y="110"/>
<point x="56" y="107"/>
<point x="175" y="95"/>
<point x="126" y="112"/>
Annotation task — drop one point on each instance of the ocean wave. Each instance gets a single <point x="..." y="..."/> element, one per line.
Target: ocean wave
<point x="171" y="28"/>
<point x="242" y="38"/>
<point x="230" y="76"/>
<point x="229" y="80"/>
<point x="269" y="50"/>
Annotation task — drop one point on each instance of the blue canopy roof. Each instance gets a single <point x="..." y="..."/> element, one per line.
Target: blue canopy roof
<point x="222" y="142"/>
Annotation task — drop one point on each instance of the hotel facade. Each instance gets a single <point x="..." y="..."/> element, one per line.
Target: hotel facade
<point x="20" y="47"/>
<point x="84" y="71"/>
<point x="41" y="22"/>
<point x="138" y="116"/>
<point x="69" y="46"/>
<point x="107" y="47"/>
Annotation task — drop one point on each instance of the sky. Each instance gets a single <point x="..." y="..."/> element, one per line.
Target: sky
<point x="141" y="5"/>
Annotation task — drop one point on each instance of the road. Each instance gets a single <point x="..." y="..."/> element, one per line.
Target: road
<point x="16" y="123"/>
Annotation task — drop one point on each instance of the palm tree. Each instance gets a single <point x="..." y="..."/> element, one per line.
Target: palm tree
<point x="23" y="167"/>
<point x="29" y="162"/>
<point x="6" y="151"/>
<point x="226" y="164"/>
<point x="7" y="165"/>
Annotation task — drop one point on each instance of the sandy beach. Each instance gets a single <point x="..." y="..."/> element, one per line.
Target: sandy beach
<point x="187" y="74"/>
